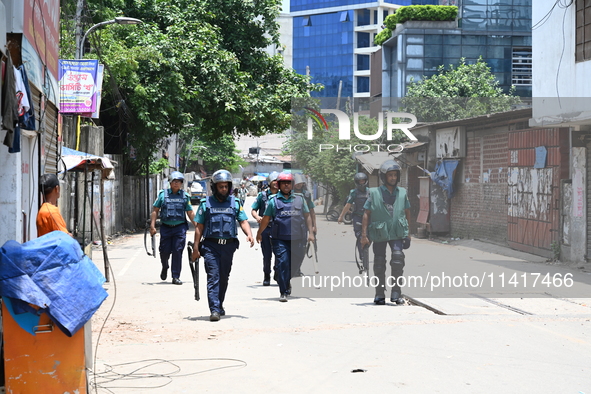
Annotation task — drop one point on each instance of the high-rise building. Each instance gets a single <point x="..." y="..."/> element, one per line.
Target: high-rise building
<point x="500" y="32"/>
<point x="333" y="41"/>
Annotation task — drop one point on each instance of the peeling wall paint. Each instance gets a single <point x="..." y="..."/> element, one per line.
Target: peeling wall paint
<point x="530" y="192"/>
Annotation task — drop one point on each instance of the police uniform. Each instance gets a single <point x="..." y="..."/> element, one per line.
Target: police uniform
<point x="173" y="228"/>
<point x="260" y="205"/>
<point x="289" y="235"/>
<point x="388" y="226"/>
<point x="218" y="244"/>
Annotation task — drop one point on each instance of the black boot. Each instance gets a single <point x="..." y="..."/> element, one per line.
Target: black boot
<point x="267" y="280"/>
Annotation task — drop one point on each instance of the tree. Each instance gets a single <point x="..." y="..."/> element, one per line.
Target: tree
<point x="456" y="93"/>
<point x="198" y="62"/>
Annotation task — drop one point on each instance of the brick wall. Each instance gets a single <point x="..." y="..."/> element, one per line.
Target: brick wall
<point x="479" y="207"/>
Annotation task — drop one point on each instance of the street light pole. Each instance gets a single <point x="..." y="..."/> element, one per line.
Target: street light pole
<point x="122" y="20"/>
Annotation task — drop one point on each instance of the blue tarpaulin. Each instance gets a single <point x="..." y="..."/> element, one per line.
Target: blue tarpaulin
<point x="52" y="273"/>
<point x="444" y="175"/>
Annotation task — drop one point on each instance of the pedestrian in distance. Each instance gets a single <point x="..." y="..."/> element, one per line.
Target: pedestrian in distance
<point x="49" y="217"/>
<point x="356" y="199"/>
<point x="258" y="211"/>
<point x="216" y="238"/>
<point x="242" y="192"/>
<point x="291" y="220"/>
<point x="385" y="223"/>
<point x="172" y="205"/>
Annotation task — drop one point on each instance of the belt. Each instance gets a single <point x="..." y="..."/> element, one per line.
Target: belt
<point x="221" y="241"/>
<point x="172" y="226"/>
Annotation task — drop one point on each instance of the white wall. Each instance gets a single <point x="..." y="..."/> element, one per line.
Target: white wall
<point x="555" y="73"/>
<point x="11" y="223"/>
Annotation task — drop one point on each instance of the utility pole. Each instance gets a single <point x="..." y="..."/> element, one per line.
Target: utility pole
<point x="78" y="21"/>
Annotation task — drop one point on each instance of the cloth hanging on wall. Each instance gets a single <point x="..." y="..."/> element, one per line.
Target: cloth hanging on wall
<point x="9" y="102"/>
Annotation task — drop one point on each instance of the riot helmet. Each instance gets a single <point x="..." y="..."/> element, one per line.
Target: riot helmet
<point x="177" y="176"/>
<point x="299" y="179"/>
<point x="220" y="176"/>
<point x="284" y="177"/>
<point x="272" y="177"/>
<point x="360" y="181"/>
<point x="387" y="166"/>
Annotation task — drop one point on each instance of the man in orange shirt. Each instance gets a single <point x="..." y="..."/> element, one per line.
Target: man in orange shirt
<point x="49" y="217"/>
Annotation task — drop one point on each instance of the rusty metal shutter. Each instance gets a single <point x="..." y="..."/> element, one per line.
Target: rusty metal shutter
<point x="46" y="119"/>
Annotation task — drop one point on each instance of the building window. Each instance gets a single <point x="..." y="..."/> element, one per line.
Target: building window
<point x="363" y="17"/>
<point x="363" y="40"/>
<point x="521" y="67"/>
<point x="583" y="34"/>
<point x="362" y="84"/>
<point x="362" y="62"/>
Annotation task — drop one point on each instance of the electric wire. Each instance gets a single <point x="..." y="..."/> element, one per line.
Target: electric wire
<point x="101" y="380"/>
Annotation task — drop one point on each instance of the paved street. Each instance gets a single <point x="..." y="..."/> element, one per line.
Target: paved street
<point x="153" y="337"/>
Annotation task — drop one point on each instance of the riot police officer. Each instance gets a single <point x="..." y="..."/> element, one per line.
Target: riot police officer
<point x="258" y="211"/>
<point x="385" y="222"/>
<point x="216" y="238"/>
<point x="291" y="217"/>
<point x="172" y="205"/>
<point x="356" y="199"/>
<point x="299" y="186"/>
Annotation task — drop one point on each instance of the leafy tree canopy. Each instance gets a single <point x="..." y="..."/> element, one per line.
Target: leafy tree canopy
<point x="193" y="62"/>
<point x="458" y="92"/>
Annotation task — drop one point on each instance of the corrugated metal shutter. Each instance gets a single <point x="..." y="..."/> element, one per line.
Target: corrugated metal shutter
<point x="47" y="127"/>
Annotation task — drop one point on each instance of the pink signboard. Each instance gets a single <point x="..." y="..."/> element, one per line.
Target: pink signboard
<point x="77" y="86"/>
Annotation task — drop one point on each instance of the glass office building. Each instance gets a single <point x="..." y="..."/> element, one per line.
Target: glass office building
<point x="499" y="32"/>
<point x="333" y="41"/>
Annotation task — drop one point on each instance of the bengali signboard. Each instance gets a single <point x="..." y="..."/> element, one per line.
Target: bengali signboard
<point x="77" y="86"/>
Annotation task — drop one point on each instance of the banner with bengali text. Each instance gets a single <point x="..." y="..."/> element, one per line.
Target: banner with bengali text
<point x="77" y="86"/>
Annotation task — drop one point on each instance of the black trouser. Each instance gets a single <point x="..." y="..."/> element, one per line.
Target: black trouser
<point x="396" y="263"/>
<point x="357" y="230"/>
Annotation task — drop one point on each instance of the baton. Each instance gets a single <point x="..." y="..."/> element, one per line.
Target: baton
<point x="194" y="265"/>
<point x="153" y="240"/>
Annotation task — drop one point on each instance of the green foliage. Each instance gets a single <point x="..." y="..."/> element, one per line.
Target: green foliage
<point x="200" y="62"/>
<point x="426" y="13"/>
<point x="382" y="36"/>
<point x="456" y="93"/>
<point x="220" y="153"/>
<point x="158" y="166"/>
<point x="415" y="13"/>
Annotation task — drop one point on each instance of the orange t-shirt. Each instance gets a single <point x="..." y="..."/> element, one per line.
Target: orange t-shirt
<point x="50" y="219"/>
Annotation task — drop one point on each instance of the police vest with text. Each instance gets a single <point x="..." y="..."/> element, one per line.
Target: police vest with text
<point x="289" y="223"/>
<point x="221" y="222"/>
<point x="173" y="208"/>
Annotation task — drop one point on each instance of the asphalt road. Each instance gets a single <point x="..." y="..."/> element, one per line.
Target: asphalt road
<point x="151" y="336"/>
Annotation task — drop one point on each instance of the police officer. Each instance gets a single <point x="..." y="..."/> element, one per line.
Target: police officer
<point x="385" y="223"/>
<point x="172" y="204"/>
<point x="356" y="199"/>
<point x="216" y="238"/>
<point x="299" y="186"/>
<point x="291" y="217"/>
<point x="258" y="211"/>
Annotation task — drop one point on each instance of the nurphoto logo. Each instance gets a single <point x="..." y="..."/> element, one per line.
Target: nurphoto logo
<point x="344" y="126"/>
